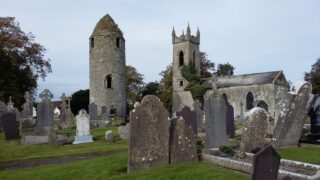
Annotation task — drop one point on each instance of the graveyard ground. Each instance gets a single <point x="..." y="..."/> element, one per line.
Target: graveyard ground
<point x="113" y="166"/>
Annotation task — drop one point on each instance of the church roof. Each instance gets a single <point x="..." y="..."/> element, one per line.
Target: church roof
<point x="106" y="23"/>
<point x="245" y="79"/>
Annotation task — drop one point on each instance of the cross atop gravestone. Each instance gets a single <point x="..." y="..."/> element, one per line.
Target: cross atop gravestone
<point x="46" y="95"/>
<point x="266" y="164"/>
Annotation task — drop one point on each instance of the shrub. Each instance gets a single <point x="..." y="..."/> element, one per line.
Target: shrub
<point x="227" y="150"/>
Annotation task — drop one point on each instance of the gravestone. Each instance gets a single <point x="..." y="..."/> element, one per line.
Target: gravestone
<point x="10" y="126"/>
<point x="215" y="113"/>
<point x="93" y="113"/>
<point x="230" y="118"/>
<point x="291" y="119"/>
<point x="10" y="105"/>
<point x="27" y="107"/>
<point x="182" y="141"/>
<point x="255" y="130"/>
<point x="266" y="164"/>
<point x="149" y="134"/>
<point x="83" y="128"/>
<point x="3" y="109"/>
<point x="123" y="131"/>
<point x="314" y="114"/>
<point x="241" y="116"/>
<point x="200" y="115"/>
<point x="45" y="114"/>
<point x="189" y="116"/>
<point x="103" y="110"/>
<point x="108" y="136"/>
<point x="66" y="116"/>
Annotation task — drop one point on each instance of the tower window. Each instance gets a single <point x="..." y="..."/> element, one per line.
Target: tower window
<point x="181" y="59"/>
<point x="108" y="81"/>
<point x="181" y="83"/>
<point x="249" y="100"/>
<point x="91" y="42"/>
<point x="118" y="40"/>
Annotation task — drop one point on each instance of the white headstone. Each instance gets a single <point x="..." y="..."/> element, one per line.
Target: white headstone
<point x="83" y="128"/>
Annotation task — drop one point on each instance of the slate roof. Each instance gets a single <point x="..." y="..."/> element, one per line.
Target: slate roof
<point x="243" y="79"/>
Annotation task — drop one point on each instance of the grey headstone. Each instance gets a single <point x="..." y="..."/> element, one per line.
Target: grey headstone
<point x="103" y="109"/>
<point x="3" y="109"/>
<point x="314" y="114"/>
<point x="215" y="112"/>
<point x="108" y="136"/>
<point x="255" y="130"/>
<point x="67" y="119"/>
<point x="200" y="115"/>
<point x="149" y="135"/>
<point x="45" y="114"/>
<point x="182" y="142"/>
<point x="189" y="116"/>
<point x="266" y="164"/>
<point x="290" y="122"/>
<point x="123" y="131"/>
<point x="230" y="118"/>
<point x="10" y="126"/>
<point x="93" y="112"/>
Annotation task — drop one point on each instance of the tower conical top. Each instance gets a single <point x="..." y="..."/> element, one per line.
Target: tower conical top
<point x="106" y="23"/>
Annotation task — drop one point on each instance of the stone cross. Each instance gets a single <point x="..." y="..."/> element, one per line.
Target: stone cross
<point x="241" y="118"/>
<point x="266" y="164"/>
<point x="46" y="95"/>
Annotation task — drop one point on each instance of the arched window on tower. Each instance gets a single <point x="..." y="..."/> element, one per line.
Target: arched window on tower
<point x="108" y="81"/>
<point x="92" y="42"/>
<point x="181" y="59"/>
<point x="118" y="40"/>
<point x="249" y="100"/>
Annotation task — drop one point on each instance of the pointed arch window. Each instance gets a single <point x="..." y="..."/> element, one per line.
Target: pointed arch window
<point x="181" y="59"/>
<point x="249" y="100"/>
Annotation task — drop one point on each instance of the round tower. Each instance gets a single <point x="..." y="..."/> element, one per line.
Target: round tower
<point x="107" y="67"/>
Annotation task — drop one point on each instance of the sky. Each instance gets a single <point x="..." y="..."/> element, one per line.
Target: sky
<point x="252" y="35"/>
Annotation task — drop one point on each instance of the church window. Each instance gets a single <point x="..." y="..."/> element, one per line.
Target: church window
<point x="249" y="100"/>
<point x="263" y="105"/>
<point x="118" y="40"/>
<point x="181" y="59"/>
<point x="91" y="42"/>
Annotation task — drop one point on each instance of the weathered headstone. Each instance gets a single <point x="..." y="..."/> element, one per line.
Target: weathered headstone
<point x="10" y="126"/>
<point x="266" y="164"/>
<point x="123" y="131"/>
<point x="108" y="136"/>
<point x="83" y="128"/>
<point x="314" y="114"/>
<point x="10" y="105"/>
<point x="3" y="109"/>
<point x="103" y="109"/>
<point x="45" y="115"/>
<point x="255" y="130"/>
<point x="149" y="134"/>
<point x="189" y="116"/>
<point x="27" y="107"/>
<point x="182" y="141"/>
<point x="230" y="118"/>
<point x="200" y="115"/>
<point x="290" y="122"/>
<point x="215" y="113"/>
<point x="66" y="116"/>
<point x="93" y="111"/>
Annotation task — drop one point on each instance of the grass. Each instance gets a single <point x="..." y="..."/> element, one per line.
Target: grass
<point x="13" y="150"/>
<point x="308" y="154"/>
<point x="114" y="167"/>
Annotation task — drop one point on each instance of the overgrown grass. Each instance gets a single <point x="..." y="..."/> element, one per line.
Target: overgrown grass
<point x="13" y="150"/>
<point x="115" y="167"/>
<point x="306" y="154"/>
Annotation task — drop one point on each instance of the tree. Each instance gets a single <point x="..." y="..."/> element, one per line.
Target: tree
<point x="80" y="100"/>
<point x="152" y="88"/>
<point x="22" y="62"/>
<point x="134" y="82"/>
<point x="206" y="66"/>
<point x="166" y="85"/>
<point x="225" y="70"/>
<point x="314" y="77"/>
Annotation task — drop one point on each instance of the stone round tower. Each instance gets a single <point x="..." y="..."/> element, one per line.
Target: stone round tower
<point x="108" y="67"/>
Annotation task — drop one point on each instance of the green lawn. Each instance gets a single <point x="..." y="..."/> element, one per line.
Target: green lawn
<point x="114" y="167"/>
<point x="13" y="150"/>
<point x="304" y="154"/>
